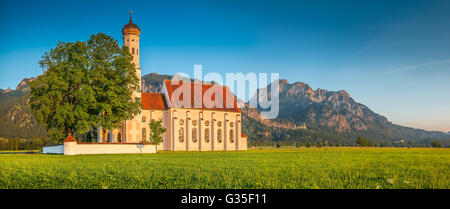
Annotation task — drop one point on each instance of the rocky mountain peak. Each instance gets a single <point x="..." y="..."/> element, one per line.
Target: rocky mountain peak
<point x="23" y="85"/>
<point x="344" y="93"/>
<point x="5" y="91"/>
<point x="283" y="81"/>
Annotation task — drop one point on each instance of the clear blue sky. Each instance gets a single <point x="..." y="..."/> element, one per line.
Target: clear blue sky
<point x="393" y="56"/>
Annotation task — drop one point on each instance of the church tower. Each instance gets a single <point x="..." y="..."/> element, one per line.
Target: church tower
<point x="132" y="128"/>
<point x="131" y="34"/>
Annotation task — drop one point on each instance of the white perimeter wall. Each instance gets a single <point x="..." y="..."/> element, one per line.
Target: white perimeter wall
<point x="56" y="149"/>
<point x="72" y="148"/>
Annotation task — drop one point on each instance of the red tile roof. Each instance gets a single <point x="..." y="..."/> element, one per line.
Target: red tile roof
<point x="153" y="101"/>
<point x="222" y="96"/>
<point x="70" y="138"/>
<point x="243" y="134"/>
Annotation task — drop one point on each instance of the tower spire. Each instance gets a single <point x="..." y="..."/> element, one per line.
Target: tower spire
<point x="131" y="21"/>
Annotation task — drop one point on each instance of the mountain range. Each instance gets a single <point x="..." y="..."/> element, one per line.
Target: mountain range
<point x="302" y="108"/>
<point x="305" y="115"/>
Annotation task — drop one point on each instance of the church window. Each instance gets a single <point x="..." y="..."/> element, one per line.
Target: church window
<point x="219" y="123"/>
<point x="194" y="122"/>
<point x="119" y="137"/>
<point x="104" y="135"/>
<point x="194" y="135"/>
<point x="219" y="135"/>
<point x="144" y="135"/>
<point x="132" y="50"/>
<point x="207" y="135"/>
<point x="144" y="118"/>
<point x="181" y="135"/>
<point x="231" y="136"/>
<point x="181" y="122"/>
<point x="206" y="122"/>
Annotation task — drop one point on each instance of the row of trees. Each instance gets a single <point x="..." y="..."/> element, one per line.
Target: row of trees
<point x="25" y="144"/>
<point x="360" y="142"/>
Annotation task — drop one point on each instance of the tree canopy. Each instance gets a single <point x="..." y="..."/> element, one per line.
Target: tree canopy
<point x="85" y="85"/>
<point x="361" y="141"/>
<point x="436" y="144"/>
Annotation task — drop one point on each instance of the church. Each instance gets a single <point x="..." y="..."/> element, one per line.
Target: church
<point x="191" y="128"/>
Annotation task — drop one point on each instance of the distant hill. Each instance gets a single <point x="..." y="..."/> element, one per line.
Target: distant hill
<point x="153" y="82"/>
<point x="306" y="115"/>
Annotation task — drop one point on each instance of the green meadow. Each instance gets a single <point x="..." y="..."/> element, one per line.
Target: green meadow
<point x="297" y="168"/>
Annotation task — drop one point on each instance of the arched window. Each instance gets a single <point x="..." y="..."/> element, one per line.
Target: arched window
<point x="144" y="135"/>
<point x="132" y="50"/>
<point x="144" y="118"/>
<point x="137" y="51"/>
<point x="181" y="135"/>
<point x="219" y="135"/>
<point x="194" y="135"/>
<point x="231" y="136"/>
<point x="103" y="135"/>
<point x="206" y="122"/>
<point x="207" y="135"/>
<point x="119" y="137"/>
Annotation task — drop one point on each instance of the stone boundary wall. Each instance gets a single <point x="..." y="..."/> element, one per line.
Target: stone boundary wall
<point x="74" y="148"/>
<point x="55" y="149"/>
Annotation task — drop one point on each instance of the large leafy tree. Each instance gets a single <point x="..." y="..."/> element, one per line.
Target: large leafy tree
<point x="85" y="85"/>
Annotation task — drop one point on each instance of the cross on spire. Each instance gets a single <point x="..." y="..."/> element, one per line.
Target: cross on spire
<point x="131" y="21"/>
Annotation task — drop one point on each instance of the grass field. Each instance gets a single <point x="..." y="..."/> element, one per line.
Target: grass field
<point x="356" y="168"/>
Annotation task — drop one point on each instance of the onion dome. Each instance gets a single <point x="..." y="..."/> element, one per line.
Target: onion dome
<point x="131" y="28"/>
